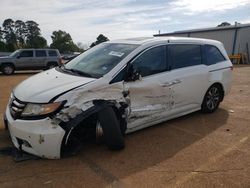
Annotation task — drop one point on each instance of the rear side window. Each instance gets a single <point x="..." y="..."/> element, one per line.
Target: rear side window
<point x="52" y="53"/>
<point x="185" y="55"/>
<point x="40" y="53"/>
<point x="151" y="62"/>
<point x="213" y="55"/>
<point x="26" y="53"/>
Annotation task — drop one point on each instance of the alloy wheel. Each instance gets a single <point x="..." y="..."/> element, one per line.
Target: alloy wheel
<point x="213" y="98"/>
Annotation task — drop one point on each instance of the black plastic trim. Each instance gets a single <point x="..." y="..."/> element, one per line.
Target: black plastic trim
<point x="6" y="127"/>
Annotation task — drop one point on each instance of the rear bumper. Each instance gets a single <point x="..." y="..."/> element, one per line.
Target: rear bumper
<point x="37" y="137"/>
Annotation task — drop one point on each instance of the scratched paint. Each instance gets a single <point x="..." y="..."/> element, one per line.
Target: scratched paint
<point x="80" y="101"/>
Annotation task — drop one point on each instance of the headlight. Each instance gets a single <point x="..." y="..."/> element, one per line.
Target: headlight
<point x="41" y="109"/>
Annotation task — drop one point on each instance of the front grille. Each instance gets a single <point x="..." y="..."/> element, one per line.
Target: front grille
<point x="16" y="107"/>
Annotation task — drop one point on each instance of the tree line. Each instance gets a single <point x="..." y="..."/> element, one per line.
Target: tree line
<point x="19" y="34"/>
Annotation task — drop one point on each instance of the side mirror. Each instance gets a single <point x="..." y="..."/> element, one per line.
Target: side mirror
<point x="132" y="74"/>
<point x="135" y="75"/>
<point x="18" y="56"/>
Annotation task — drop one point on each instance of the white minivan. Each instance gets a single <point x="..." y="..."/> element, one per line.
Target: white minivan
<point x="116" y="88"/>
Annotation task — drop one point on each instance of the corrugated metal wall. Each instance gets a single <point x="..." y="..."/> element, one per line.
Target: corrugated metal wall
<point x="242" y="44"/>
<point x="225" y="36"/>
<point x="243" y="41"/>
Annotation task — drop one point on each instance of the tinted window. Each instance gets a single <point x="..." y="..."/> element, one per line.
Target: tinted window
<point x="52" y="53"/>
<point x="40" y="53"/>
<point x="213" y="55"/>
<point x="100" y="59"/>
<point x="184" y="55"/>
<point x="151" y="62"/>
<point x="119" y="77"/>
<point x="26" y="53"/>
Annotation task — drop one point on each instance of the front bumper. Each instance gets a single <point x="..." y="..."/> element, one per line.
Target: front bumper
<point x="38" y="137"/>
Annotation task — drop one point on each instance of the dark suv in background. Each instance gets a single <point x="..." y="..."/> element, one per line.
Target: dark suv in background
<point x="30" y="59"/>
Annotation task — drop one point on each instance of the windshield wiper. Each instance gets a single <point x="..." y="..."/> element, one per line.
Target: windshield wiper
<point x="79" y="72"/>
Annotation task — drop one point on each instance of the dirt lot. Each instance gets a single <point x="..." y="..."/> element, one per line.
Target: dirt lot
<point x="198" y="150"/>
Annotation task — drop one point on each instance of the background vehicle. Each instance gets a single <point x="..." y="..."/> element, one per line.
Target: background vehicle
<point x="116" y="88"/>
<point x="30" y="59"/>
<point x="69" y="57"/>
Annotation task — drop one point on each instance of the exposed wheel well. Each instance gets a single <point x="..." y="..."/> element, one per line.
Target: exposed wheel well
<point x="77" y="134"/>
<point x="86" y="129"/>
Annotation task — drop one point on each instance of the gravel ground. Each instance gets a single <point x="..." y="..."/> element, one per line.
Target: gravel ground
<point x="197" y="150"/>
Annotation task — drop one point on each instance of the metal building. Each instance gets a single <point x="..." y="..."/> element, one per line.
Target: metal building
<point x="236" y="38"/>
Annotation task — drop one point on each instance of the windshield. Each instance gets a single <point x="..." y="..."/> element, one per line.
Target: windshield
<point x="14" y="54"/>
<point x="99" y="60"/>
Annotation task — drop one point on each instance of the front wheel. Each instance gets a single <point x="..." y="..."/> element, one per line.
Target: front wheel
<point x="212" y="99"/>
<point x="7" y="69"/>
<point x="110" y="129"/>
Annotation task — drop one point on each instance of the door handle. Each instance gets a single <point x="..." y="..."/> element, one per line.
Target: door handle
<point x="168" y="84"/>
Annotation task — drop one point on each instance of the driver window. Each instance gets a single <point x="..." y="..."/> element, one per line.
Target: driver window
<point x="152" y="61"/>
<point x="26" y="53"/>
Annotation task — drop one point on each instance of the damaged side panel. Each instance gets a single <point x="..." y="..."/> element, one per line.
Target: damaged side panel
<point x="80" y="101"/>
<point x="83" y="104"/>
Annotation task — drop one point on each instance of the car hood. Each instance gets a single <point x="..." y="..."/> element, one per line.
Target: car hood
<point x="6" y="58"/>
<point x="42" y="87"/>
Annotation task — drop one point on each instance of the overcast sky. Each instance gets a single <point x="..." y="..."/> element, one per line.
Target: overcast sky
<point x="85" y="19"/>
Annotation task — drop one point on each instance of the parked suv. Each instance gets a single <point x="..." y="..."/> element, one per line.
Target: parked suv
<point x="116" y="88"/>
<point x="30" y="59"/>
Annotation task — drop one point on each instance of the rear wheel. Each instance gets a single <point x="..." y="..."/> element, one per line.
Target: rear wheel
<point x="110" y="128"/>
<point x="212" y="99"/>
<point x="7" y="69"/>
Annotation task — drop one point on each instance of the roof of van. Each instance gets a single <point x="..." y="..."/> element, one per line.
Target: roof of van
<point x="147" y="40"/>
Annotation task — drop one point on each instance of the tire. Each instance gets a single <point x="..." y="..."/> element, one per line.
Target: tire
<point x="51" y="65"/>
<point x="7" y="69"/>
<point x="212" y="99"/>
<point x="111" y="129"/>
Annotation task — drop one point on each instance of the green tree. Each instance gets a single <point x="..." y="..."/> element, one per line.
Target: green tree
<point x="2" y="44"/>
<point x="21" y="32"/>
<point x="101" y="38"/>
<point x="62" y="41"/>
<point x="80" y="46"/>
<point x="9" y="34"/>
<point x="1" y="34"/>
<point x="33" y="36"/>
<point x="3" y="47"/>
<point x="223" y="24"/>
